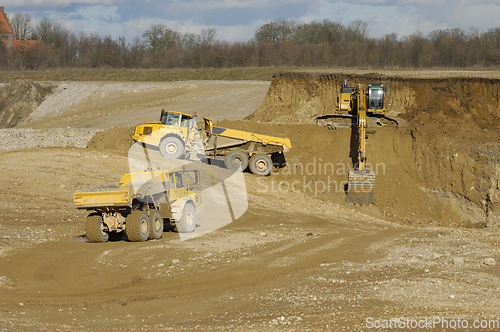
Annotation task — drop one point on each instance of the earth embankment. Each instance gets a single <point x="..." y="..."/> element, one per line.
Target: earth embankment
<point x="440" y="168"/>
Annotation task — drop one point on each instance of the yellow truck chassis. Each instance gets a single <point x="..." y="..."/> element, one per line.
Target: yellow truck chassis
<point x="242" y="149"/>
<point x="139" y="204"/>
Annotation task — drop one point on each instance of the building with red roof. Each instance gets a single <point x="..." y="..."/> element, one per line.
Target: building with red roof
<point x="7" y="38"/>
<point x="6" y="35"/>
<point x="21" y="46"/>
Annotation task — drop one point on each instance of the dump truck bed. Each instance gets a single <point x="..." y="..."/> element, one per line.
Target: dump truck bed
<point x="233" y="137"/>
<point x="121" y="194"/>
<point x="112" y="196"/>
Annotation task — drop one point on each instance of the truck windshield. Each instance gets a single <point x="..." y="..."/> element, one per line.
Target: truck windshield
<point x="170" y="119"/>
<point x="178" y="180"/>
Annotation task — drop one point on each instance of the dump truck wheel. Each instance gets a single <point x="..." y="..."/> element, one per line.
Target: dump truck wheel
<point x="171" y="147"/>
<point x="94" y="228"/>
<point x="187" y="224"/>
<point x="260" y="164"/>
<point x="137" y="226"/>
<point x="236" y="159"/>
<point x="156" y="226"/>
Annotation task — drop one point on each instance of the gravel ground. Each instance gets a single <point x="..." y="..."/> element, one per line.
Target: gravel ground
<point x="14" y="139"/>
<point x="290" y="263"/>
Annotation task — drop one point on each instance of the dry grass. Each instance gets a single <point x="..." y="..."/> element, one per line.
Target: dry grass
<point x="228" y="74"/>
<point x="142" y="75"/>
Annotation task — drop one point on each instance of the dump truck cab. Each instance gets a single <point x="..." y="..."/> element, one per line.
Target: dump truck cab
<point x="171" y="118"/>
<point x="182" y="189"/>
<point x="170" y="134"/>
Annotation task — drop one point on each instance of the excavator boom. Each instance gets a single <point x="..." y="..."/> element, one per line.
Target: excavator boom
<point x="360" y="101"/>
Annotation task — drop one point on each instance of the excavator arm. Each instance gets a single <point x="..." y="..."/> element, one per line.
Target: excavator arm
<point x="362" y="100"/>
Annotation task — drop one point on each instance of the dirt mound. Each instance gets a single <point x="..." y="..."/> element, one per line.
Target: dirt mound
<point x="437" y="187"/>
<point x="117" y="139"/>
<point x="441" y="170"/>
<point x="19" y="99"/>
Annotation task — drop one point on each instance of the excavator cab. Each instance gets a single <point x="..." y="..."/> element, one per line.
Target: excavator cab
<point x="376" y="98"/>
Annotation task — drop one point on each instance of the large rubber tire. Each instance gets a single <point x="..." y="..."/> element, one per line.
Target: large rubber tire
<point x="187" y="224"/>
<point x="260" y="164"/>
<point x="236" y="159"/>
<point x="137" y="226"/>
<point x="171" y="147"/>
<point x="94" y="228"/>
<point x="156" y="225"/>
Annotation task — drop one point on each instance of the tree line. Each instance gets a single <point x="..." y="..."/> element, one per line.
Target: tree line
<point x="277" y="43"/>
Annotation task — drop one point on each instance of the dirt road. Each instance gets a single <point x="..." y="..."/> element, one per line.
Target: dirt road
<point x="292" y="262"/>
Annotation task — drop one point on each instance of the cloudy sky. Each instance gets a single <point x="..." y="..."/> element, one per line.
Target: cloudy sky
<point x="236" y="20"/>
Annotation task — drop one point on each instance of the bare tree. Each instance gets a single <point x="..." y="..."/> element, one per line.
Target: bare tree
<point x="207" y="36"/>
<point x="51" y="32"/>
<point x="21" y="26"/>
<point x="137" y="51"/>
<point x="319" y="32"/>
<point x="357" y="31"/>
<point x="160" y="37"/>
<point x="276" y="31"/>
<point x="190" y="40"/>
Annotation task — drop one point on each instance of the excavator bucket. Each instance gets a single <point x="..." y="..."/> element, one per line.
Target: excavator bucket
<point x="361" y="187"/>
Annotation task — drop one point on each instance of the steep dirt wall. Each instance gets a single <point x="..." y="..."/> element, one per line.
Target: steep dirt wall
<point x="19" y="99"/>
<point x="310" y="95"/>
<point x="443" y="168"/>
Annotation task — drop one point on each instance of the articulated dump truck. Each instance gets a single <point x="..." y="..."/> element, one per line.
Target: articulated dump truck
<point x="139" y="205"/>
<point x="177" y="136"/>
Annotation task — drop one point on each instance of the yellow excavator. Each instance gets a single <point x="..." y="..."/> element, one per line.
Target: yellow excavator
<point x="358" y="102"/>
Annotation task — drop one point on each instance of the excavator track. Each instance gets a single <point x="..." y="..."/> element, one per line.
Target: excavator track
<point x="361" y="187"/>
<point x="335" y="121"/>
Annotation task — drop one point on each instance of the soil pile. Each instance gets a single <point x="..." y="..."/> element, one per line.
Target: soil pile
<point x="117" y="139"/>
<point x="441" y="170"/>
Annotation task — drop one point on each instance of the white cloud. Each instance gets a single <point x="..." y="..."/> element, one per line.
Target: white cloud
<point x="409" y="16"/>
<point x="53" y="3"/>
<point x="480" y="16"/>
<point x="100" y="19"/>
<point x="236" y="20"/>
<point x="306" y="19"/>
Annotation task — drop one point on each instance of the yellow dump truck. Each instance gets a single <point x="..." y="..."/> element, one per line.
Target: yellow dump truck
<point x="140" y="203"/>
<point x="176" y="136"/>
